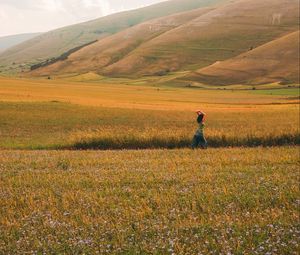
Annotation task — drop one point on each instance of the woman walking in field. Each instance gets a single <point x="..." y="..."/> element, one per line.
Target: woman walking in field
<point x="199" y="139"/>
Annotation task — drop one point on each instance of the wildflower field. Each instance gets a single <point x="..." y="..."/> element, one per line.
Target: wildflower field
<point x="88" y="168"/>
<point x="219" y="201"/>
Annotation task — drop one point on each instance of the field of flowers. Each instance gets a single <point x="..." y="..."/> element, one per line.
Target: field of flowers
<point x="218" y="201"/>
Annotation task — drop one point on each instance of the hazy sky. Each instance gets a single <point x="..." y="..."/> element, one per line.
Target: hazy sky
<point x="23" y="16"/>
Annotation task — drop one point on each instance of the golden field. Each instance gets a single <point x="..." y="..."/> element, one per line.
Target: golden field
<point x="97" y="121"/>
<point x="41" y="114"/>
<point x="218" y="201"/>
<point x="116" y="95"/>
<point x="237" y="200"/>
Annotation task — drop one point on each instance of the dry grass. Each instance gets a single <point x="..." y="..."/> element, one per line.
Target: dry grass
<point x="219" y="201"/>
<point x="135" y="97"/>
<point x="60" y="125"/>
<point x="36" y="115"/>
<point x="174" y="130"/>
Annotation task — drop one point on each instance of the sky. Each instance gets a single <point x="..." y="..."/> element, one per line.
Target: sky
<point x="27" y="16"/>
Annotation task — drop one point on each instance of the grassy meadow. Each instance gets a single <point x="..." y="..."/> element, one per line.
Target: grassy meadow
<point x="218" y="201"/>
<point x="59" y="197"/>
<point x="59" y="114"/>
<point x="54" y="125"/>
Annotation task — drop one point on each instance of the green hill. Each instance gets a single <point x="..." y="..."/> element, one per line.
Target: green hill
<point x="55" y="43"/>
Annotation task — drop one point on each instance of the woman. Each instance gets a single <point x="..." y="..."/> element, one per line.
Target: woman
<point x="199" y="139"/>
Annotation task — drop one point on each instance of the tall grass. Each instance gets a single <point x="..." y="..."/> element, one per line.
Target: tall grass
<point x="169" y="142"/>
<point x="58" y="126"/>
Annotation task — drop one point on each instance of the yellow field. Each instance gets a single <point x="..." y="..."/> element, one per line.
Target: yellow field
<point x="219" y="201"/>
<point x="64" y="114"/>
<point x="134" y="97"/>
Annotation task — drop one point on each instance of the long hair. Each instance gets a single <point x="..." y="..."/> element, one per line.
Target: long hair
<point x="200" y="118"/>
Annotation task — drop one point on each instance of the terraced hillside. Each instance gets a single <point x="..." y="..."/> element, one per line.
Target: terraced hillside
<point x="216" y="34"/>
<point x="55" y="43"/>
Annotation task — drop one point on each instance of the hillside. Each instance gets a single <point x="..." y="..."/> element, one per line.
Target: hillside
<point x="55" y="43"/>
<point x="216" y="34"/>
<point x="277" y="61"/>
<point x="12" y="40"/>
<point x="114" y="48"/>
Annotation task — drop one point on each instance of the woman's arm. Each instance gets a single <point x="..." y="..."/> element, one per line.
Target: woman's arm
<point x="199" y="112"/>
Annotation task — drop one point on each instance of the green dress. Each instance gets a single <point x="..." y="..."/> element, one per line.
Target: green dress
<point x="200" y="130"/>
<point x="199" y="139"/>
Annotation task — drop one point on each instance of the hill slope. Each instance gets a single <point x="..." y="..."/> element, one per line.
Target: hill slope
<point x="55" y="43"/>
<point x="217" y="34"/>
<point x="12" y="40"/>
<point x="114" y="48"/>
<point x="277" y="61"/>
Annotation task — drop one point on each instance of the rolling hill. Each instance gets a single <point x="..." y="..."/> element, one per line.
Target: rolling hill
<point x="217" y="35"/>
<point x="114" y="48"/>
<point x="57" y="42"/>
<point x="7" y="42"/>
<point x="276" y="61"/>
<point x="204" y="37"/>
